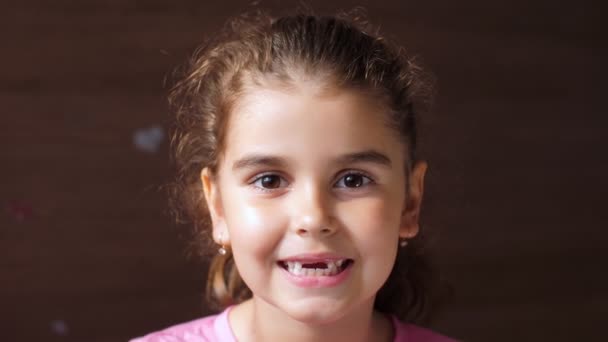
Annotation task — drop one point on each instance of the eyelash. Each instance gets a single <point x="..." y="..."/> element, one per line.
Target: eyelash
<point x="260" y="177"/>
<point x="370" y="180"/>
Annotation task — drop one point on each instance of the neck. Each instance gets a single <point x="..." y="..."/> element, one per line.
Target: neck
<point x="256" y="320"/>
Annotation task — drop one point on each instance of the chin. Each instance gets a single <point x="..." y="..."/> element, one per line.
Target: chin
<point x="315" y="310"/>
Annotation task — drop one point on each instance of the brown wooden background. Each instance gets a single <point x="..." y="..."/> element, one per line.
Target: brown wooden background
<point x="517" y="148"/>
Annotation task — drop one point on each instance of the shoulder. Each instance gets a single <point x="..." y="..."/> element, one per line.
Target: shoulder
<point x="405" y="332"/>
<point x="206" y="329"/>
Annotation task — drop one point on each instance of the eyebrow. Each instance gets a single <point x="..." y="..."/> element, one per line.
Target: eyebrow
<point x="257" y="160"/>
<point x="369" y="156"/>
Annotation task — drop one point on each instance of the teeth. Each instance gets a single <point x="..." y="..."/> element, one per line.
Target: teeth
<point x="295" y="268"/>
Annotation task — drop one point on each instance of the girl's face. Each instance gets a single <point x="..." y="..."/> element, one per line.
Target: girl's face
<point x="310" y="194"/>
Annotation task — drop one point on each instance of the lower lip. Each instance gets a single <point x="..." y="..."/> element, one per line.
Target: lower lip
<point x="317" y="281"/>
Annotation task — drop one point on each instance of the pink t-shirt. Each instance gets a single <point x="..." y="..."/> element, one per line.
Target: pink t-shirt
<point x="216" y="328"/>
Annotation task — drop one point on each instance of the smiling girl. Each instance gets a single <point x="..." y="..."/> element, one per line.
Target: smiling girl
<point x="295" y="145"/>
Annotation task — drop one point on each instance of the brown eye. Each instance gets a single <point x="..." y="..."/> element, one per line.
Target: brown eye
<point x="270" y="181"/>
<point x="353" y="180"/>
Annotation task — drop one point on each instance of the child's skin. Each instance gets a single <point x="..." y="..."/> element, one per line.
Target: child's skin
<point x="306" y="142"/>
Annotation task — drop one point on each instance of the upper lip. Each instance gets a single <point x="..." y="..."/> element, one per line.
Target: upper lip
<point x="315" y="257"/>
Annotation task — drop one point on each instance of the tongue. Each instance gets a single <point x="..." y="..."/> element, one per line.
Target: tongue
<point x="315" y="265"/>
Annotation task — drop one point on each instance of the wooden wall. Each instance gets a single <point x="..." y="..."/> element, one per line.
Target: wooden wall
<point x="516" y="190"/>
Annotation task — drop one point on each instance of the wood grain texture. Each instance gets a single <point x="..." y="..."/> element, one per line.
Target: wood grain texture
<point x="516" y="145"/>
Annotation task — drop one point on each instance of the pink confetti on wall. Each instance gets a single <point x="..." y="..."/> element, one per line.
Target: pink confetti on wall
<point x="59" y="327"/>
<point x="19" y="211"/>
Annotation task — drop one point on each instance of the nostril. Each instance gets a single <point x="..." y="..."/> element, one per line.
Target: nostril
<point x="316" y="230"/>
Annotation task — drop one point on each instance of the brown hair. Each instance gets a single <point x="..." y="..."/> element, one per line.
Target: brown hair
<point x="344" y="52"/>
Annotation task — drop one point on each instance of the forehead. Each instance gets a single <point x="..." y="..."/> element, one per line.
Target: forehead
<point x="303" y="121"/>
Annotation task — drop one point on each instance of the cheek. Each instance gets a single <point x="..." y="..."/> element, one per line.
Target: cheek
<point x="374" y="228"/>
<point x="372" y="219"/>
<point x="254" y="229"/>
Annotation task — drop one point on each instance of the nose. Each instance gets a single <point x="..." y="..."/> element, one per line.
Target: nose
<point x="311" y="210"/>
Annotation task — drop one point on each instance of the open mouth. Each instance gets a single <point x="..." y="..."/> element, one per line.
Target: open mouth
<point x="315" y="269"/>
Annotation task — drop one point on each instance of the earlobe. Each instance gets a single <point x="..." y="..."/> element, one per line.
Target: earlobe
<point x="214" y="205"/>
<point x="411" y="212"/>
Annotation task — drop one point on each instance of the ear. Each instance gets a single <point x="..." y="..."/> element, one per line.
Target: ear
<point x="411" y="211"/>
<point x="214" y="205"/>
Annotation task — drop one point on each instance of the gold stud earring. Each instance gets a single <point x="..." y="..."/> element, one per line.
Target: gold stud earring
<point x="222" y="250"/>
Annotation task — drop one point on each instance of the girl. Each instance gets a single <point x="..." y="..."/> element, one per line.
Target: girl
<point x="295" y="145"/>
